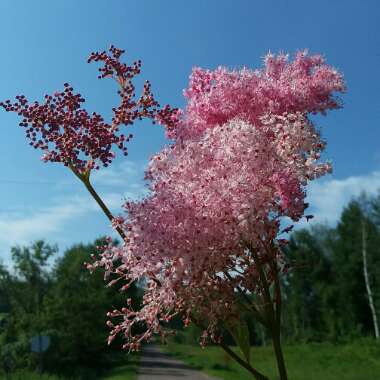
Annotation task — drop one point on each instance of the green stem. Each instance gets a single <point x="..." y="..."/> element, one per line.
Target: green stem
<point x="84" y="178"/>
<point x="251" y="306"/>
<point x="265" y="287"/>
<point x="276" y="339"/>
<point x="276" y="334"/>
<point x="258" y="375"/>
<point x="274" y="314"/>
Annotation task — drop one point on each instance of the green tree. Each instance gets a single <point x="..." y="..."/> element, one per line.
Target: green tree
<point x="5" y="280"/>
<point x="4" y="290"/>
<point x="353" y="313"/>
<point x="25" y="291"/>
<point x="75" y="312"/>
<point x="307" y="285"/>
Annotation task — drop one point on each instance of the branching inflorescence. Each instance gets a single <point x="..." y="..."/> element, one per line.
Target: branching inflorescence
<point x="69" y="134"/>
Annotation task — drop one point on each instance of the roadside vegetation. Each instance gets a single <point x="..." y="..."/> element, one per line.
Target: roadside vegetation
<point x="359" y="360"/>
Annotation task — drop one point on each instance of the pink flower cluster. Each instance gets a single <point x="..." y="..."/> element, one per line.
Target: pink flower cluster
<point x="214" y="97"/>
<point x="243" y="151"/>
<point x="67" y="133"/>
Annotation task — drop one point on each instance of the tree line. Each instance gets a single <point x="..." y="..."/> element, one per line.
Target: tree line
<point x="333" y="290"/>
<point x="63" y="301"/>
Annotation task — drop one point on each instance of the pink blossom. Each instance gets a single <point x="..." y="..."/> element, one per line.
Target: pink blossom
<point x="305" y="85"/>
<point x="244" y="149"/>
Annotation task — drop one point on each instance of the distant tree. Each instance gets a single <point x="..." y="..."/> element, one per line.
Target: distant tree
<point x="31" y="266"/>
<point x="370" y="206"/>
<point x="306" y="287"/>
<point x="367" y="278"/>
<point x="24" y="292"/>
<point x="374" y="259"/>
<point x="75" y="312"/>
<point x="353" y="310"/>
<point x="5" y="280"/>
<point x="4" y="287"/>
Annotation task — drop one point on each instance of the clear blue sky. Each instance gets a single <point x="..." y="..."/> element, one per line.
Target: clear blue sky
<point x="46" y="43"/>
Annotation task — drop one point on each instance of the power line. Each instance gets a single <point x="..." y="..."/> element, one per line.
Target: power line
<point x="43" y="183"/>
<point x="22" y="182"/>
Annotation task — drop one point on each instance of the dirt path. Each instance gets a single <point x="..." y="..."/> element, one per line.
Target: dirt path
<point x="155" y="365"/>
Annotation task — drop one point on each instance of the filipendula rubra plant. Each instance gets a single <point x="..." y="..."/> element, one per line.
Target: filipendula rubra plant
<point x="206" y="242"/>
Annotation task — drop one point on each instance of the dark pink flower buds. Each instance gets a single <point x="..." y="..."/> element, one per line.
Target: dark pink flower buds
<point x="68" y="133"/>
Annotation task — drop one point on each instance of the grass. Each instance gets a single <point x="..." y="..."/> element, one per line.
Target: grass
<point x="126" y="371"/>
<point x="359" y="360"/>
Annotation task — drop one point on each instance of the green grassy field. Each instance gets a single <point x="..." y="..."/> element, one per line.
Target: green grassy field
<point x="356" y="361"/>
<point x="124" y="372"/>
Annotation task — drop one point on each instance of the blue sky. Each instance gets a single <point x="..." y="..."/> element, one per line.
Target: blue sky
<point x="45" y="43"/>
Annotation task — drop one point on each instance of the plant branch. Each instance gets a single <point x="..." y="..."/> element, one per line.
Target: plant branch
<point x="258" y="375"/>
<point x="274" y="313"/>
<point x="252" y="307"/>
<point x="237" y="358"/>
<point x="265" y="285"/>
<point x="85" y="179"/>
<point x="278" y="297"/>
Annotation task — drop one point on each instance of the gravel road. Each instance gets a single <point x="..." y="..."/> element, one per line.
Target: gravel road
<point x="156" y="365"/>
